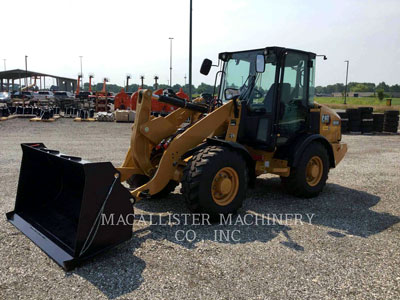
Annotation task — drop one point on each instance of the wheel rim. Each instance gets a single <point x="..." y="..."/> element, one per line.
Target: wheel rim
<point x="225" y="186"/>
<point x="314" y="170"/>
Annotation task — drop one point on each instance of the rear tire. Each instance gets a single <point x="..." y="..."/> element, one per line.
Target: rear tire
<point x="309" y="177"/>
<point x="215" y="181"/>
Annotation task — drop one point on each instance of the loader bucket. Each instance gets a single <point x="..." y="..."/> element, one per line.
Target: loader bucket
<point x="69" y="207"/>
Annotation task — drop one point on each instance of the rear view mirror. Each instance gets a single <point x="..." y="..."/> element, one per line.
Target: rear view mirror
<point x="231" y="93"/>
<point x="260" y="63"/>
<point x="206" y="66"/>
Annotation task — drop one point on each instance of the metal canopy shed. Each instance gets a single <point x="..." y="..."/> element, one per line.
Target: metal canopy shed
<point x="8" y="78"/>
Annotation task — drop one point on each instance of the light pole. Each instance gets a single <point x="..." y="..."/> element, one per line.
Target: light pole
<point x="128" y="76"/>
<point x="141" y="79"/>
<point x="4" y="60"/>
<point x="190" y="53"/>
<point x="26" y="70"/>
<point x="185" y="79"/>
<point x="80" y="57"/>
<point x="345" y="87"/>
<point x="170" y="61"/>
<point x="156" y="82"/>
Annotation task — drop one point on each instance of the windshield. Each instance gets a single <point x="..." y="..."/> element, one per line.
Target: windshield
<point x="255" y="88"/>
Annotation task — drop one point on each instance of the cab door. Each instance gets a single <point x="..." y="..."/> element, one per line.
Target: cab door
<point x="258" y="111"/>
<point x="293" y="95"/>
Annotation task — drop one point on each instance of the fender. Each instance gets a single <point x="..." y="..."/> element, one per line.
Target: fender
<point x="301" y="144"/>
<point x="243" y="151"/>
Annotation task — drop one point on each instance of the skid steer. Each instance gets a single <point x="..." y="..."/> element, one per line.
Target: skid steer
<point x="263" y="120"/>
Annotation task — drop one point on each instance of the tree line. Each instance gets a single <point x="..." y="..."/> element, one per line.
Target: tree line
<point x="206" y="88"/>
<point x="357" y="87"/>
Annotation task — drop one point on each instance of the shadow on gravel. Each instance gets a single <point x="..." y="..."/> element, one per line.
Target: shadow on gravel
<point x="267" y="212"/>
<point x="337" y="207"/>
<point x="116" y="272"/>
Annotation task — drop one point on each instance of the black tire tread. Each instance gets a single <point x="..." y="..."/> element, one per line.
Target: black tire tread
<point x="194" y="172"/>
<point x="294" y="186"/>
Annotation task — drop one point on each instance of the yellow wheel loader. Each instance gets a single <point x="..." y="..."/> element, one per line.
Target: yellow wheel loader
<point x="262" y="120"/>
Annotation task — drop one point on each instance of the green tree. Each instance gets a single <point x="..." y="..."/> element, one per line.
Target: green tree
<point x="360" y="87"/>
<point x="381" y="94"/>
<point x="383" y="86"/>
<point x="205" y="88"/>
<point x="395" y="88"/>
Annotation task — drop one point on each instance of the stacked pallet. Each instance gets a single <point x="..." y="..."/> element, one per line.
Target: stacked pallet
<point x="105" y="117"/>
<point x="125" y="116"/>
<point x="391" y="121"/>
<point x="46" y="115"/>
<point x="85" y="115"/>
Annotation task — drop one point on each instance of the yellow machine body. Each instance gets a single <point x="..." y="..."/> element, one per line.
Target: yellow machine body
<point x="148" y="131"/>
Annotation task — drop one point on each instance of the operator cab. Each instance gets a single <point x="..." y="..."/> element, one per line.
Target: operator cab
<point x="276" y="89"/>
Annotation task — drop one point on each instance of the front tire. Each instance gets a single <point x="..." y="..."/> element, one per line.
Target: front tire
<point x="215" y="181"/>
<point x="309" y="177"/>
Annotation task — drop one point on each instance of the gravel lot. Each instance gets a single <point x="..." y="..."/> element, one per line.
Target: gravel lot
<point x="349" y="251"/>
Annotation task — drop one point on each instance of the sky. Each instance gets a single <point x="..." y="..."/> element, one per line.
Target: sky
<point x="118" y="37"/>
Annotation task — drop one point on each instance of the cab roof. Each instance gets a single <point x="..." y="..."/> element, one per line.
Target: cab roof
<point x="224" y="56"/>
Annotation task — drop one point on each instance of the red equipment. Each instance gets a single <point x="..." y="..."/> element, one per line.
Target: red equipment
<point x="156" y="106"/>
<point x="182" y="94"/>
<point x="78" y="86"/>
<point x="122" y="100"/>
<point x="90" y="82"/>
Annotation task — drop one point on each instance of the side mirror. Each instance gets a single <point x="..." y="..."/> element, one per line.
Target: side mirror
<point x="260" y="63"/>
<point x="206" y="66"/>
<point x="231" y="93"/>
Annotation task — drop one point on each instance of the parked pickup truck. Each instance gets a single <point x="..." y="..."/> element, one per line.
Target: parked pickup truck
<point x="43" y="97"/>
<point x="64" y="99"/>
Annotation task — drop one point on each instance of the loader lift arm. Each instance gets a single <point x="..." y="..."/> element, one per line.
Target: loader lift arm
<point x="148" y="132"/>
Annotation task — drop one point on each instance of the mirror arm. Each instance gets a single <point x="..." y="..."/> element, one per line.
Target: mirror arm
<point x="215" y="81"/>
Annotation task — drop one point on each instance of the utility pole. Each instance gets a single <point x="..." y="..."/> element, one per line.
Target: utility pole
<point x="4" y="60"/>
<point x="345" y="88"/>
<point x="170" y="61"/>
<point x="156" y="83"/>
<point x="190" y="53"/>
<point x="26" y="70"/>
<point x="81" y="71"/>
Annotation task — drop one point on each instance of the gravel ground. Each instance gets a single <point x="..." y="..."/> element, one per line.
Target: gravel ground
<point x="349" y="251"/>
